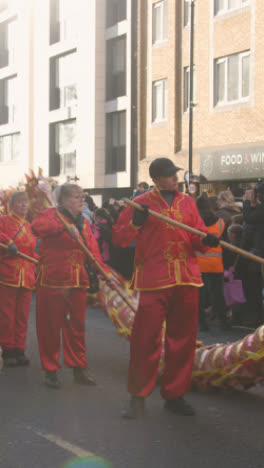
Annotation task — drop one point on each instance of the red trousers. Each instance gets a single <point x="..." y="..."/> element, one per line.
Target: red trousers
<point x="14" y="312"/>
<point x="61" y="310"/>
<point x="179" y="307"/>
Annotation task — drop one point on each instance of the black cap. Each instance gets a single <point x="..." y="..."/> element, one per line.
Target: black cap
<point x="162" y="167"/>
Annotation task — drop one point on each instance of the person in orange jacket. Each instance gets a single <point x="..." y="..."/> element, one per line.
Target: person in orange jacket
<point x="17" y="280"/>
<point x="62" y="281"/>
<point x="211" y="267"/>
<point x="167" y="275"/>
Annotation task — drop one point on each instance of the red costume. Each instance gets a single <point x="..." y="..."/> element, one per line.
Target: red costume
<point x="167" y="274"/>
<point x="61" y="290"/>
<point x="16" y="282"/>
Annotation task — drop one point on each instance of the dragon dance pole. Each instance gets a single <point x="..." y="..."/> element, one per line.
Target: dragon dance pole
<point x="224" y="244"/>
<point x="20" y="254"/>
<point x="98" y="266"/>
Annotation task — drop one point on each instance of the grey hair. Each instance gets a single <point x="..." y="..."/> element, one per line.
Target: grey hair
<point x="66" y="191"/>
<point x="15" y="195"/>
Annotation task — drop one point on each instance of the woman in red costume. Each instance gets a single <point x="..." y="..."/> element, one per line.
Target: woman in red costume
<point x="62" y="281"/>
<point x="16" y="280"/>
<point x="167" y="275"/>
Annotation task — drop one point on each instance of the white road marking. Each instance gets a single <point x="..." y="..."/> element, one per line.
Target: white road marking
<point x="78" y="451"/>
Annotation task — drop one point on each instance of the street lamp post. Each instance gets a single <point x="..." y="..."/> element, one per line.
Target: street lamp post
<point x="191" y="104"/>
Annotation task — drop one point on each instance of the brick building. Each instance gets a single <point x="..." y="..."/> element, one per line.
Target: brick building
<point x="228" y="125"/>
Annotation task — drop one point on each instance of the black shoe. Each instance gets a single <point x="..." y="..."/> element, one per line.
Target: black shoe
<point x="9" y="358"/>
<point x="180" y="406"/>
<point x="51" y="379"/>
<point x="82" y="377"/>
<point x="136" y="408"/>
<point x="21" y="359"/>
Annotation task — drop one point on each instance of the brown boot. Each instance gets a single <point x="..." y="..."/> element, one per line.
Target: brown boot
<point x="136" y="408"/>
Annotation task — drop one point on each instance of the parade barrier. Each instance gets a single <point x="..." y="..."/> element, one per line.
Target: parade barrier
<point x="20" y="254"/>
<point x="99" y="268"/>
<point x="168" y="220"/>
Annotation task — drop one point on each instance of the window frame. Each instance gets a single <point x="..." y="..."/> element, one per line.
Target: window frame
<point x="11" y="159"/>
<point x="116" y="80"/>
<point x="224" y="60"/>
<point x="226" y="8"/>
<point x="155" y="117"/>
<point x="186" y="16"/>
<point x="155" y="6"/>
<point x="115" y="155"/>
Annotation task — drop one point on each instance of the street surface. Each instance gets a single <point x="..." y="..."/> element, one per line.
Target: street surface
<point x="46" y="428"/>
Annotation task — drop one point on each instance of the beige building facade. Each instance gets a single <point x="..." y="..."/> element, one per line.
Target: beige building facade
<point x="228" y="125"/>
<point x="66" y="91"/>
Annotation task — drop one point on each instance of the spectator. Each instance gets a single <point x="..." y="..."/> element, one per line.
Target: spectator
<point x="141" y="188"/>
<point x="252" y="241"/>
<point x="213" y="203"/>
<point x="233" y="288"/>
<point x="89" y="208"/>
<point x="227" y="208"/>
<point x="102" y="231"/>
<point x="211" y="267"/>
<point x="237" y="219"/>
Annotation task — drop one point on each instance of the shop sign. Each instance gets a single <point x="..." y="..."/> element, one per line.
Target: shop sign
<point x="233" y="164"/>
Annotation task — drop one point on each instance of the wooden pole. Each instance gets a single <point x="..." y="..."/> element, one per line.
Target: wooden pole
<point x="224" y="244"/>
<point x="20" y="254"/>
<point x="97" y="265"/>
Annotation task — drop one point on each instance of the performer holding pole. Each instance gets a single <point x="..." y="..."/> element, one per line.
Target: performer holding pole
<point x="62" y="281"/>
<point x="168" y="277"/>
<point x="17" y="280"/>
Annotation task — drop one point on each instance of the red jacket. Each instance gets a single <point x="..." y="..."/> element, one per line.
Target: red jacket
<point x="165" y="255"/>
<point x="15" y="271"/>
<point x="62" y="260"/>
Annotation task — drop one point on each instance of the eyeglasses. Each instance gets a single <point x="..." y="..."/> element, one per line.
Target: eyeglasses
<point x="79" y="197"/>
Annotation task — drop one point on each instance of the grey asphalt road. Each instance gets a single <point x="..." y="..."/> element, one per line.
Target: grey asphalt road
<point x="44" y="428"/>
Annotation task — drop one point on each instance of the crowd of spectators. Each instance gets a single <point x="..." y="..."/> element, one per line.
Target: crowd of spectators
<point x="233" y="285"/>
<point x="241" y="279"/>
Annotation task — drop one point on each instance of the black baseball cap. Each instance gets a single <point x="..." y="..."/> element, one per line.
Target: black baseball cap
<point x="162" y="167"/>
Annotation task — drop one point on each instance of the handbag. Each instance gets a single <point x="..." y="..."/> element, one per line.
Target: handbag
<point x="233" y="288"/>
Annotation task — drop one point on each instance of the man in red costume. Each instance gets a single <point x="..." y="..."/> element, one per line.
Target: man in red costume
<point x="167" y="275"/>
<point x="62" y="281"/>
<point x="16" y="280"/>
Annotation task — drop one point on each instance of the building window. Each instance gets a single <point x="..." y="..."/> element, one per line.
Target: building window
<point x="9" y="147"/>
<point x="160" y="22"/>
<point x="222" y="6"/>
<point x="232" y="78"/>
<point x="186" y="97"/>
<point x="116" y="68"/>
<point x="63" y="89"/>
<point x="63" y="20"/>
<point x="63" y="148"/>
<point x="9" y="99"/>
<point x="116" y="11"/>
<point x="115" y="142"/>
<point x="186" y="12"/>
<point x="8" y="41"/>
<point x="159" y="100"/>
<point x="3" y="5"/>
